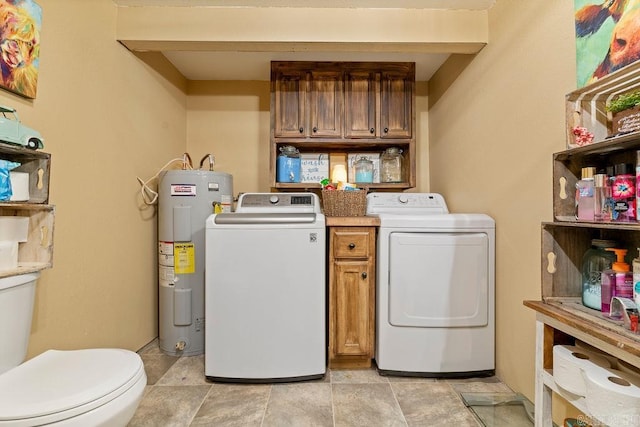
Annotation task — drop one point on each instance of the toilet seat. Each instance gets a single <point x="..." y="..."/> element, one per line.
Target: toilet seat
<point x="57" y="385"/>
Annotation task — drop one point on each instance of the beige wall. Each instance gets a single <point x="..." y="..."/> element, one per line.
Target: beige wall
<point x="491" y="139"/>
<point x="230" y="120"/>
<point x="106" y="118"/>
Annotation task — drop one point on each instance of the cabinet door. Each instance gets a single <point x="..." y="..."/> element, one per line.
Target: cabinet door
<point x="396" y="104"/>
<point x="360" y="104"/>
<point x="290" y="91"/>
<point x="325" y="104"/>
<point x="351" y="299"/>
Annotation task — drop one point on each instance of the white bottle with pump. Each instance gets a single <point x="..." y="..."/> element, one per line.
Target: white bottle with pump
<point x="636" y="279"/>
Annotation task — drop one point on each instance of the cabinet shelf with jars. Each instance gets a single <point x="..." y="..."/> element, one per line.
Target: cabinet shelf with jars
<point x="36" y="252"/>
<point x="335" y="111"/>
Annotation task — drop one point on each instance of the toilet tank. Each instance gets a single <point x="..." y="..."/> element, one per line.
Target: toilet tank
<point x="17" y="294"/>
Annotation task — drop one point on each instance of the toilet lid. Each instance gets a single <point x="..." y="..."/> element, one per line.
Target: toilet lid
<point x="58" y="381"/>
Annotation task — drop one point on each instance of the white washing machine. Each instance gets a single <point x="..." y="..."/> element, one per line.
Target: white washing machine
<point x="435" y="310"/>
<point x="265" y="290"/>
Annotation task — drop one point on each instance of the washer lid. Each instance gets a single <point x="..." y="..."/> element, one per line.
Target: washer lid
<point x="57" y="381"/>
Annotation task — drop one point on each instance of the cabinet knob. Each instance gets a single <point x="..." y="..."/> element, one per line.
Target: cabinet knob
<point x="301" y="129"/>
<point x="386" y="130"/>
<point x="315" y="129"/>
<point x="372" y="130"/>
<point x="352" y="246"/>
<point x="364" y="275"/>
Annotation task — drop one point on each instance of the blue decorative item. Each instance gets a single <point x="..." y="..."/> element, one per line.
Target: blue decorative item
<point x="5" y="179"/>
<point x="289" y="164"/>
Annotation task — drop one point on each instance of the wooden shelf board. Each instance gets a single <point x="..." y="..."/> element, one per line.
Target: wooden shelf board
<point x="590" y="322"/>
<point x="573" y="223"/>
<point x="24" y="268"/>
<point x="352" y="221"/>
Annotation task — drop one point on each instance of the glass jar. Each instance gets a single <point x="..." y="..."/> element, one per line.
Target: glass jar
<point x="391" y="165"/>
<point x="364" y="170"/>
<point x="594" y="262"/>
<point x="289" y="165"/>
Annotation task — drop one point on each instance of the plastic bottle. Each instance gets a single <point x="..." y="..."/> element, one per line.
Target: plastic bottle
<point x="608" y="287"/>
<point x="637" y="186"/>
<point x="636" y="279"/>
<point x="602" y="207"/>
<point x="594" y="262"/>
<point x="624" y="278"/>
<point x="585" y="192"/>
<point x="623" y="192"/>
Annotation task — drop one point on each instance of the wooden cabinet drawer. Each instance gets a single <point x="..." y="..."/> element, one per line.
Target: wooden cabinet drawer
<point x="349" y="244"/>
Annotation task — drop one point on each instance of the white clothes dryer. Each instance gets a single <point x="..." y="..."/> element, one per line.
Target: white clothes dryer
<point x="435" y="308"/>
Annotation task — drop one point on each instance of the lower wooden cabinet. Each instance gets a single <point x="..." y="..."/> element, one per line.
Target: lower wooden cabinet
<point x="352" y="282"/>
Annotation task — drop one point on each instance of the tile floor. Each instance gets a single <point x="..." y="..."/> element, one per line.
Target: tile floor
<point x="178" y="394"/>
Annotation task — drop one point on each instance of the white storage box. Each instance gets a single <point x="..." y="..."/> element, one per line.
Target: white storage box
<point x="13" y="229"/>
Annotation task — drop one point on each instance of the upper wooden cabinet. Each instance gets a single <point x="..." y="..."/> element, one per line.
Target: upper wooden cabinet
<point x="360" y="104"/>
<point x="325" y="104"/>
<point x="396" y="109"/>
<point x="290" y="92"/>
<point x="343" y="108"/>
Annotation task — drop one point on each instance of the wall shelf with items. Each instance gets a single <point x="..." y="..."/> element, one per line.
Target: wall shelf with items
<point x="343" y="108"/>
<point x="567" y="167"/>
<point x="342" y="153"/>
<point x="586" y="106"/>
<point x="36" y="163"/>
<point x="563" y="248"/>
<point x="37" y="252"/>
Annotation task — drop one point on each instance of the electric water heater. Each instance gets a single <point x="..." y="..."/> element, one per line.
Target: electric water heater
<point x="185" y="199"/>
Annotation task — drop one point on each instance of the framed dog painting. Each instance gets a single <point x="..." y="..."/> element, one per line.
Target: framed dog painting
<point x="607" y="37"/>
<point x="20" y="24"/>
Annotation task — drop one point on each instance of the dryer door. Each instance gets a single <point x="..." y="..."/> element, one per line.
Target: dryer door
<point x="438" y="279"/>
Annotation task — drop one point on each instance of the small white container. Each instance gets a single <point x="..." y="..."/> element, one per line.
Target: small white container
<point x="19" y="186"/>
<point x="13" y="229"/>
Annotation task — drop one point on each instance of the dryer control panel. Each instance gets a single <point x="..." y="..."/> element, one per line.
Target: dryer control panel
<point x="409" y="203"/>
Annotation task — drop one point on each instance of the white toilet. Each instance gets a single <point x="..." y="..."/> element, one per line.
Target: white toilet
<point x="95" y="387"/>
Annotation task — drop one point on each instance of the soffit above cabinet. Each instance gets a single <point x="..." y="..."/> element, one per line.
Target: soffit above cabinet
<point x="228" y="40"/>
<point x="401" y="4"/>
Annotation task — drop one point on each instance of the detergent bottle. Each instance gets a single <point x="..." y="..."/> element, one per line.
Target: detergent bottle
<point x="624" y="278"/>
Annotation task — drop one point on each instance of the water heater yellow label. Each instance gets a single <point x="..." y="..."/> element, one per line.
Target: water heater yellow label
<point x="184" y="255"/>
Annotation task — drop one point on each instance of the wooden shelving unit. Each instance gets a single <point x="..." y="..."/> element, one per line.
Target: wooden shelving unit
<point x="37" y="253"/>
<point x="561" y="317"/>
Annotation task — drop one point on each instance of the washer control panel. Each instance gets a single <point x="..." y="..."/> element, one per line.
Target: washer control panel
<point x="278" y="202"/>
